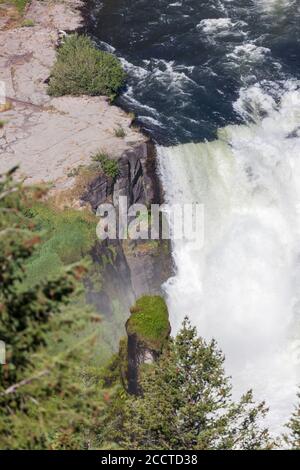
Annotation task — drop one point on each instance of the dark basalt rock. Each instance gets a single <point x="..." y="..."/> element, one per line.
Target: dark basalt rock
<point x="137" y="180"/>
<point x="137" y="267"/>
<point x="111" y="267"/>
<point x="98" y="191"/>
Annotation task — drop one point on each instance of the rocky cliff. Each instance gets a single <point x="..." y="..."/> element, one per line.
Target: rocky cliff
<point x="129" y="268"/>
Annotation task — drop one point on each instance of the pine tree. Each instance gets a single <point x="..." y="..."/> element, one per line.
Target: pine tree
<point x="49" y="387"/>
<point x="293" y="438"/>
<point x="25" y="311"/>
<point x="186" y="404"/>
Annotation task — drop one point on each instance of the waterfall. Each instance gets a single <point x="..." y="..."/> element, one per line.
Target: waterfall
<point x="243" y="286"/>
<point x="194" y="67"/>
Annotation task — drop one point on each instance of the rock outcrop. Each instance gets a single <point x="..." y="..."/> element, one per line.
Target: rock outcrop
<point x="50" y="137"/>
<point x="148" y="261"/>
<point x="137" y="180"/>
<point x="148" y="330"/>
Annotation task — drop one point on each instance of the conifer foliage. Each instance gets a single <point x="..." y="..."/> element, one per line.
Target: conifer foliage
<point x="187" y="404"/>
<point x="49" y="393"/>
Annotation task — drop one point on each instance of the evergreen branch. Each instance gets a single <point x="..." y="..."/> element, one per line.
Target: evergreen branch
<point x="23" y="382"/>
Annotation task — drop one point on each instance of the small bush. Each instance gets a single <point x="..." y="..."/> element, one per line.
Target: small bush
<point x="119" y="132"/>
<point x="81" y="69"/>
<point x="75" y="171"/>
<point x="7" y="106"/>
<point x="109" y="166"/>
<point x="27" y="23"/>
<point x="2" y="124"/>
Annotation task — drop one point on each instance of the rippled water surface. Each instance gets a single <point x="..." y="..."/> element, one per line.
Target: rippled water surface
<point x="187" y="60"/>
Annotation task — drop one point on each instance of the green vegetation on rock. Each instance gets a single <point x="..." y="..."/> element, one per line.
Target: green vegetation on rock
<point x="68" y="236"/>
<point x="149" y="320"/>
<point x="82" y="69"/>
<point x="19" y="4"/>
<point x="108" y="165"/>
<point x="120" y="133"/>
<point x="28" y="23"/>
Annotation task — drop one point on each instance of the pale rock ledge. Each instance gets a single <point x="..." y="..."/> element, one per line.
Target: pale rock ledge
<point x="48" y="137"/>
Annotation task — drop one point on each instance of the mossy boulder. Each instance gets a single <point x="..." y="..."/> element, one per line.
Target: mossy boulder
<point x="148" y="329"/>
<point x="149" y="321"/>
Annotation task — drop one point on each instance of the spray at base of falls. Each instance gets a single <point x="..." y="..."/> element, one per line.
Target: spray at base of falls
<point x="243" y="286"/>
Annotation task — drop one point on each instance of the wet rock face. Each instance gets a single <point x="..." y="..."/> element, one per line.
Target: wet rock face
<point x="148" y="261"/>
<point x="99" y="190"/>
<point x="138" y="180"/>
<point x="111" y="265"/>
<point x="150" y="265"/>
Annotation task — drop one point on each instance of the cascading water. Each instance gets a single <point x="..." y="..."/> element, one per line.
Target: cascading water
<point x="216" y="84"/>
<point x="243" y="286"/>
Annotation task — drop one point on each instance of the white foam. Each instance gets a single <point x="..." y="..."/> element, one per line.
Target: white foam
<point x="215" y="24"/>
<point x="248" y="52"/>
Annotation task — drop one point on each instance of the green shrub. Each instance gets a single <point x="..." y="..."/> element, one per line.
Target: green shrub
<point x="109" y="166"/>
<point x="19" y="4"/>
<point x="81" y="69"/>
<point x="27" y="23"/>
<point x="119" y="132"/>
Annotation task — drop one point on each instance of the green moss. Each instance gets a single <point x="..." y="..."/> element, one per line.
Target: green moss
<point x="80" y="68"/>
<point x="149" y="320"/>
<point x="19" y="4"/>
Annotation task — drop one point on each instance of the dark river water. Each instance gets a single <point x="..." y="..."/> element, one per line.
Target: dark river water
<point x="187" y="60"/>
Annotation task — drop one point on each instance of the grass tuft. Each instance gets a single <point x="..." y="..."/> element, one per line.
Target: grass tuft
<point x="120" y="133"/>
<point x="28" y="23"/>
